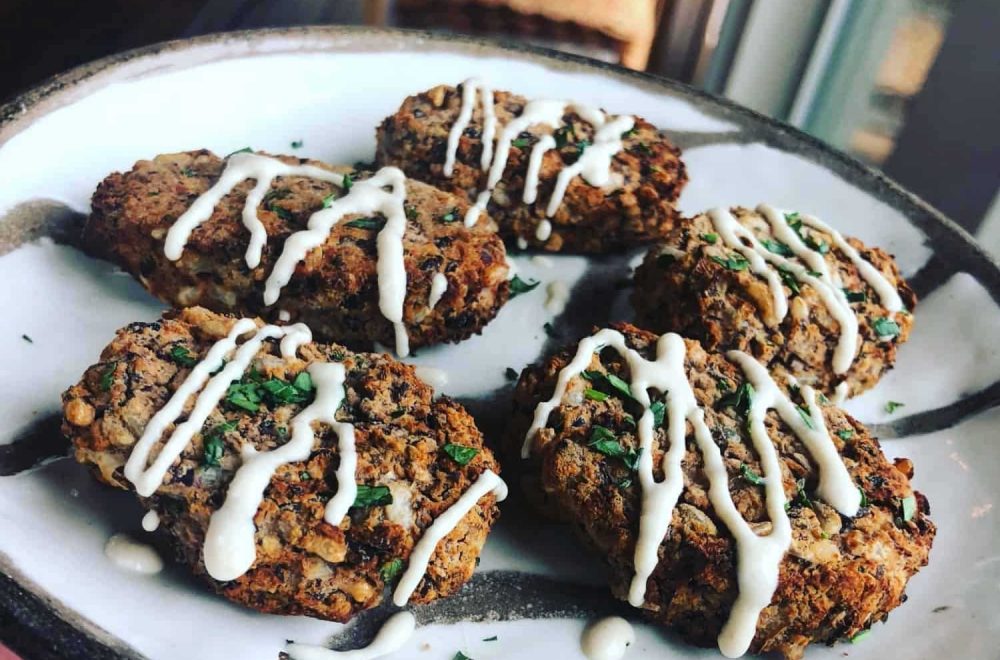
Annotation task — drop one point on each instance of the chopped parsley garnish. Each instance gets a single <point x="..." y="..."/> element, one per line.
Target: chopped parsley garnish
<point x="630" y="132"/>
<point x="710" y="238"/>
<point x="550" y="330"/>
<point x="411" y="212"/>
<point x="734" y="261"/>
<point x="510" y="373"/>
<point x="624" y="483"/>
<point x="214" y="444"/>
<point x="643" y="148"/>
<point x="777" y="247"/>
<point x="108" y="377"/>
<point x="182" y="356"/>
<point x="329" y="199"/>
<point x="520" y="143"/>
<point x="582" y="145"/>
<point x="372" y="496"/>
<point x="794" y="220"/>
<point x="723" y="384"/>
<point x="347" y="182"/>
<point x="303" y="382"/>
<point x="806" y="416"/>
<point x="490" y="639"/>
<point x="450" y="216"/>
<point x="397" y="413"/>
<point x="519" y="286"/>
<point x="391" y="569"/>
<point x="801" y="499"/>
<point x="603" y="441"/>
<point x="864" y="497"/>
<point x="296" y="144"/>
<point x="750" y="475"/>
<point x="659" y="410"/>
<point x="885" y="328"/>
<point x="304" y="476"/>
<point x="28" y="339"/>
<point x="860" y="636"/>
<point x="460" y="453"/>
<point x="460" y="656"/>
<point x="788" y="277"/>
<point x="187" y="171"/>
<point x="845" y="434"/>
<point x="893" y="406"/>
<point x="740" y="400"/>
<point x="280" y="211"/>
<point x="909" y="507"/>
<point x="595" y="395"/>
<point x="244" y="150"/>
<point x="613" y="381"/>
<point x="366" y="223"/>
<point x="563" y="136"/>
<point x="245" y="395"/>
<point x="285" y="392"/>
<point x="855" y="296"/>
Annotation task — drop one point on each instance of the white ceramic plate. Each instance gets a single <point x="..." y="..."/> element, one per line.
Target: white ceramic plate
<point x="535" y="588"/>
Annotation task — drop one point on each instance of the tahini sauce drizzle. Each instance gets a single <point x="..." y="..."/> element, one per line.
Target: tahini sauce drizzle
<point x="364" y="197"/>
<point x="607" y="639"/>
<point x="593" y="165"/>
<point x="391" y="637"/>
<point x="439" y="284"/>
<point x="759" y="557"/>
<point x="815" y="273"/>
<point x="130" y="555"/>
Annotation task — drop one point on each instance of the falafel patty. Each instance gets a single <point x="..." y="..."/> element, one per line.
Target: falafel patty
<point x="635" y="205"/>
<point x="455" y="276"/>
<point x="784" y="287"/>
<point x="415" y="458"/>
<point x="750" y="470"/>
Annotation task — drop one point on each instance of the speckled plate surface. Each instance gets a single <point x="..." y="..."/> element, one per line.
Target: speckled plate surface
<point x="329" y="87"/>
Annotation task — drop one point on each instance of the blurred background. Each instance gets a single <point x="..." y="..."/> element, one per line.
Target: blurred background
<point x="908" y="86"/>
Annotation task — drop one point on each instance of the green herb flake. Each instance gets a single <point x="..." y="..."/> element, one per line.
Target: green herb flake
<point x="366" y="223"/>
<point x="750" y="475"/>
<point x="595" y="395"/>
<point x="855" y="296"/>
<point x="108" y="377"/>
<point x="613" y="381"/>
<point x="659" y="410"/>
<point x="450" y="216"/>
<point x="624" y="483"/>
<point x="630" y="132"/>
<point x="710" y="238"/>
<point x="510" y="373"/>
<point x="794" y="220"/>
<point x="303" y="382"/>
<point x="187" y="171"/>
<point x="244" y="150"/>
<point x="28" y="339"/>
<point x="806" y="416"/>
<point x="801" y="497"/>
<point x="734" y="261"/>
<point x="391" y="569"/>
<point x="490" y="639"/>
<point x="397" y="413"/>
<point x="304" y="476"/>
<point x="460" y="656"/>
<point x="182" y="356"/>
<point x="372" y="496"/>
<point x="603" y="441"/>
<point x="411" y="212"/>
<point x="520" y="143"/>
<point x="643" y="148"/>
<point x="740" y="400"/>
<point x="460" y="453"/>
<point x="789" y="279"/>
<point x="563" y="136"/>
<point x="777" y="247"/>
<point x="845" y="434"/>
<point x="860" y="636"/>
<point x="329" y="199"/>
<point x="885" y="328"/>
<point x="347" y="182"/>
<point x="909" y="507"/>
<point x="296" y="144"/>
<point x="214" y="445"/>
<point x="893" y="406"/>
<point x="864" y="498"/>
<point x="245" y="395"/>
<point x="519" y="286"/>
<point x="582" y="145"/>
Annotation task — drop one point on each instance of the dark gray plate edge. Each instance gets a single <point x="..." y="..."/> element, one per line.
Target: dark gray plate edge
<point x="48" y="629"/>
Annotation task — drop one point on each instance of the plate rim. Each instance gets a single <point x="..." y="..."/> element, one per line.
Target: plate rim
<point x="44" y="627"/>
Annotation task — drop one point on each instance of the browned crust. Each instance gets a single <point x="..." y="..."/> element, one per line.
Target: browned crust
<point x="840" y="576"/>
<point x="725" y="309"/>
<point x="590" y="219"/>
<point x="304" y="565"/>
<point x="335" y="289"/>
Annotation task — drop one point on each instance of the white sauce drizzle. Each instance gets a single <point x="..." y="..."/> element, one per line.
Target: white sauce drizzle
<point x="364" y="197"/>
<point x="284" y="316"/>
<point x="607" y="639"/>
<point x="487" y="482"/>
<point x="230" y="548"/>
<point x="132" y="556"/>
<point x="815" y="273"/>
<point x="522" y="243"/>
<point x="759" y="557"/>
<point x="439" y="284"/>
<point x="393" y="634"/>
<point x="840" y="393"/>
<point x="543" y="261"/>
<point x="436" y="378"/>
<point x="593" y="164"/>
<point x="151" y="521"/>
